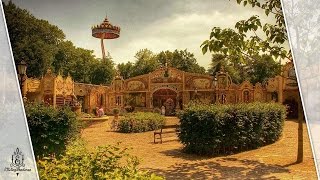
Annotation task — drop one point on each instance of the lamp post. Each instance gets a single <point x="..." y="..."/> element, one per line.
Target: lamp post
<point x="215" y="83"/>
<point x="195" y="93"/>
<point x="22" y="69"/>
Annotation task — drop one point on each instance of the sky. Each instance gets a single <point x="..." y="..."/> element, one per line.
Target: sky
<point x="158" y="25"/>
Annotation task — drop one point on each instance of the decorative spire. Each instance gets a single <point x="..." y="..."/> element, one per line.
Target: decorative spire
<point x="49" y="71"/>
<point x="106" y="21"/>
<point x="166" y="72"/>
<point x="118" y="75"/>
<point x="222" y="68"/>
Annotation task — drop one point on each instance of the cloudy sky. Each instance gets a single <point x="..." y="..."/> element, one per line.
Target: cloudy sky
<point x="154" y="24"/>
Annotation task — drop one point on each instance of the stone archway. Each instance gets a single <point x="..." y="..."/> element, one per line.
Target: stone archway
<point x="292" y="108"/>
<point x="165" y="97"/>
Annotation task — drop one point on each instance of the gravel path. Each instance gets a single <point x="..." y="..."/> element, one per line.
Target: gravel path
<point x="275" y="161"/>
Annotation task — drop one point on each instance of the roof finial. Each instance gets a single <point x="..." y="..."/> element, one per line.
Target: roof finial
<point x="106" y="18"/>
<point x="222" y="68"/>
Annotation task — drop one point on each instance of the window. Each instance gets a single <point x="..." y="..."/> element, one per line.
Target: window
<point x="246" y="96"/>
<point x="274" y="96"/>
<point x="214" y="98"/>
<point x="118" y="101"/>
<point x="223" y="98"/>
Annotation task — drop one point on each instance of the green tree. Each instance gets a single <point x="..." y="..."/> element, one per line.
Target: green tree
<point x="259" y="70"/>
<point x="65" y="57"/>
<point x="180" y="59"/>
<point x="126" y="69"/>
<point x="81" y="65"/>
<point x="32" y="39"/>
<point x="165" y="57"/>
<point x="145" y="62"/>
<point x="244" y="43"/>
<point x="235" y="70"/>
<point x="262" y="68"/>
<point x="103" y="72"/>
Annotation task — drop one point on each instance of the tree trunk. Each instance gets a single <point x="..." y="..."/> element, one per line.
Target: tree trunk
<point x="300" y="134"/>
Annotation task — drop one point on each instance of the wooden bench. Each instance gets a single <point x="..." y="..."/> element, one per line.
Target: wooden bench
<point x="161" y="131"/>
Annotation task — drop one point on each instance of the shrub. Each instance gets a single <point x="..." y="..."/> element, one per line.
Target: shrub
<point x="140" y="122"/>
<point x="218" y="129"/>
<point x="115" y="111"/>
<point x="157" y="110"/>
<point x="129" y="108"/>
<point x="107" y="162"/>
<point x="50" y="128"/>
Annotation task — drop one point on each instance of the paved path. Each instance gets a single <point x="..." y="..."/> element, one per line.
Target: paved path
<point x="275" y="161"/>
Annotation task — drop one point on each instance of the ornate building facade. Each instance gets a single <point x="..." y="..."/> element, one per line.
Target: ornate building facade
<point x="168" y="87"/>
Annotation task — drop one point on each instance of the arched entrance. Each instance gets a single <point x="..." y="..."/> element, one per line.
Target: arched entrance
<point x="166" y="98"/>
<point x="292" y="110"/>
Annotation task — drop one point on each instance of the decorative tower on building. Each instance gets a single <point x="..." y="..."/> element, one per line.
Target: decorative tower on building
<point x="105" y="30"/>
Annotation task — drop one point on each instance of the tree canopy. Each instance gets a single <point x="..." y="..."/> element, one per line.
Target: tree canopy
<point x="146" y="61"/>
<point x="244" y="42"/>
<point x="258" y="70"/>
<point x="245" y="48"/>
<point x="180" y="59"/>
<point x="32" y="40"/>
<point x="43" y="45"/>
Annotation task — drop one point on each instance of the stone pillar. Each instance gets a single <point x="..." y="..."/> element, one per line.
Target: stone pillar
<point x="121" y="101"/>
<point x="54" y="93"/>
<point x="185" y="97"/>
<point x="280" y="90"/>
<point x="89" y="103"/>
<point x="177" y="102"/>
<point x="107" y="106"/>
<point x="149" y="100"/>
<point x="182" y="98"/>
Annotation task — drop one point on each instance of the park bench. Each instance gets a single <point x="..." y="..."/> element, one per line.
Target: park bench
<point x="163" y="130"/>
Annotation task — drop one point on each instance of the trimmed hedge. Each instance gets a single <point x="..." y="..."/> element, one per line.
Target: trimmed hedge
<point x="140" y="122"/>
<point x="51" y="129"/>
<point x="225" y="129"/>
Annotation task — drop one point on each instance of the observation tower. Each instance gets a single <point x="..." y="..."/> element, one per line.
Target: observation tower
<point x="105" y="30"/>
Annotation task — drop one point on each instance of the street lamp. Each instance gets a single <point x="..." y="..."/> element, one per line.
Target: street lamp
<point x="22" y="69"/>
<point x="215" y="81"/>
